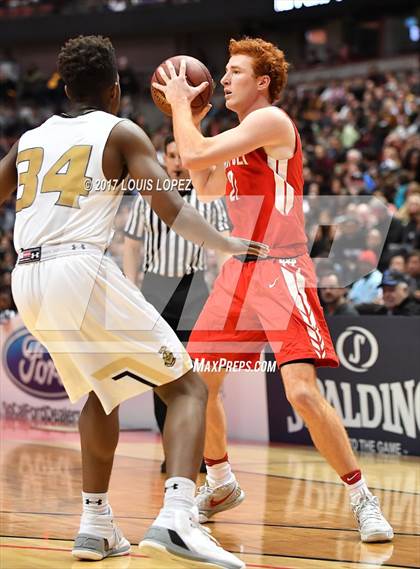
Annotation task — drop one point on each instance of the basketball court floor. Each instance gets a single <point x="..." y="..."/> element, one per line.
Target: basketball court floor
<point x="296" y="514"/>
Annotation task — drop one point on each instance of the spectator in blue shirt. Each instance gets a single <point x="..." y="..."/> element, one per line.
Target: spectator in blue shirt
<point x="397" y="300"/>
<point x="366" y="288"/>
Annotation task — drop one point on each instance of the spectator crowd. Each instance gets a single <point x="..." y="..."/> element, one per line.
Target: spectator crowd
<point x="361" y="177"/>
<point x="31" y="8"/>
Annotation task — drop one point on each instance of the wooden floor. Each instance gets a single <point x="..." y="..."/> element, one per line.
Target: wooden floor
<point x="295" y="516"/>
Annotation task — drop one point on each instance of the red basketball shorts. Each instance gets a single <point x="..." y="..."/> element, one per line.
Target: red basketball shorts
<point x="252" y="303"/>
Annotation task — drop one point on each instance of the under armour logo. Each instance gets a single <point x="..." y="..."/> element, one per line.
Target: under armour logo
<point x="174" y="487"/>
<point x="97" y="502"/>
<point x="30" y="255"/>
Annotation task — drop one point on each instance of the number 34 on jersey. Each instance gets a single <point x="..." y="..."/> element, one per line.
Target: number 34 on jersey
<point x="67" y="176"/>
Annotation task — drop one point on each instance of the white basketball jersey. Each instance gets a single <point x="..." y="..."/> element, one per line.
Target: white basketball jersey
<point x="63" y="195"/>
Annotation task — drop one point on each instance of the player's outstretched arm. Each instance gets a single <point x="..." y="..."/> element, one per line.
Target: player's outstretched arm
<point x="8" y="174"/>
<point x="139" y="156"/>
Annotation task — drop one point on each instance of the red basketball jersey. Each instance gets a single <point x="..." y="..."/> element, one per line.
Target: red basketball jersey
<point x="264" y="200"/>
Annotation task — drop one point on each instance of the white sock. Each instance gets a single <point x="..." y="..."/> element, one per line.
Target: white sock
<point x="358" y="490"/>
<point x="219" y="474"/>
<point x="179" y="496"/>
<point x="95" y="503"/>
<point x="96" y="518"/>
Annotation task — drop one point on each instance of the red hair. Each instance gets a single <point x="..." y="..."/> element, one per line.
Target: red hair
<point x="268" y="59"/>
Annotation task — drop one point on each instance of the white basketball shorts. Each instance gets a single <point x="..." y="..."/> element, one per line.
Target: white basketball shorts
<point x="97" y="326"/>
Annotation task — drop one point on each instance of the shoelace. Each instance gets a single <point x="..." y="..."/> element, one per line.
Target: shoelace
<point x="203" y="490"/>
<point x="368" y="508"/>
<point x="204" y="530"/>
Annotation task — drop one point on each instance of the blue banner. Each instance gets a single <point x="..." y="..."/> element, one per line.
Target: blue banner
<point x="376" y="389"/>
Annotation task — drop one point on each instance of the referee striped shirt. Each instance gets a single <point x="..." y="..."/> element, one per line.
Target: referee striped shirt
<point x="165" y="252"/>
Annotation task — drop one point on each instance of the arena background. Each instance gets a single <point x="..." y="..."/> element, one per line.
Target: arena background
<point x="353" y="92"/>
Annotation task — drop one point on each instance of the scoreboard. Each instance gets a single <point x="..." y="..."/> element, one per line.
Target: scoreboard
<point x="286" y="5"/>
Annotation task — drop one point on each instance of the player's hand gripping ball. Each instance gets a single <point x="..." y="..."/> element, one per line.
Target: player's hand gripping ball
<point x="196" y="73"/>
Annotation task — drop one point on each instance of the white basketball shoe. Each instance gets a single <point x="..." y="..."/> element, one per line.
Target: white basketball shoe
<point x="99" y="537"/>
<point x="372" y="524"/>
<point x="211" y="501"/>
<point x="186" y="543"/>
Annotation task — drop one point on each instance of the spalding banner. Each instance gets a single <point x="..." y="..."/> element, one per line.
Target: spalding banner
<point x="376" y="389"/>
<point x="30" y="367"/>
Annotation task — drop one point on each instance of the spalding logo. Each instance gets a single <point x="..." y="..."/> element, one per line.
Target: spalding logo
<point x="30" y="367"/>
<point x="353" y="360"/>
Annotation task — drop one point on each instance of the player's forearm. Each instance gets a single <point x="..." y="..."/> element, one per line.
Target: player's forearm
<point x="191" y="143"/>
<point x="131" y="259"/>
<point x="190" y="225"/>
<point x="221" y="256"/>
<point x="200" y="178"/>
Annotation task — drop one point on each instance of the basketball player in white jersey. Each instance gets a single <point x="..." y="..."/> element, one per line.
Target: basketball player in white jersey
<point x="104" y="338"/>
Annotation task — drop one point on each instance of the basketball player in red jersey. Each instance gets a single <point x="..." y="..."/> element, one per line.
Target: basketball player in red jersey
<point x="258" y="166"/>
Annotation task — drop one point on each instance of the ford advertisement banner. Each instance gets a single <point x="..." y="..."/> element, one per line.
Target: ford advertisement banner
<point x="376" y="389"/>
<point x="30" y="367"/>
<point x="31" y="390"/>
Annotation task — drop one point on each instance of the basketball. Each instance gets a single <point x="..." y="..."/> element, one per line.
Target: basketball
<point x="196" y="74"/>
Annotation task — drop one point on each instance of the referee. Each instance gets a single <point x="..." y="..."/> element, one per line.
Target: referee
<point x="173" y="268"/>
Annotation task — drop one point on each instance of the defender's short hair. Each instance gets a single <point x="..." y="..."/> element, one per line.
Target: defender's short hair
<point x="268" y="60"/>
<point x="87" y="65"/>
